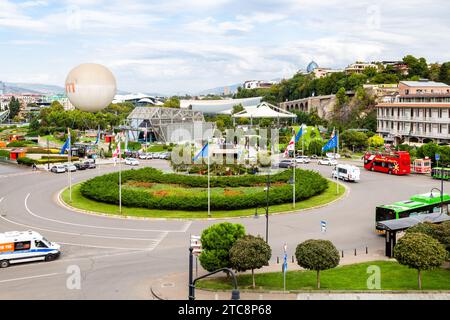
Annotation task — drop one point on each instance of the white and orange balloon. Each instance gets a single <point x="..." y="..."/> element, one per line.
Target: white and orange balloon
<point x="90" y="87"/>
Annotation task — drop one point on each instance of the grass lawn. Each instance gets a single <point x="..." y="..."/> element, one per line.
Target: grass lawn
<point x="80" y="202"/>
<point x="51" y="138"/>
<point x="350" y="277"/>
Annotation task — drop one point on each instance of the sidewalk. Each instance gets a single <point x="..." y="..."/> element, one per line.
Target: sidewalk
<point x="175" y="287"/>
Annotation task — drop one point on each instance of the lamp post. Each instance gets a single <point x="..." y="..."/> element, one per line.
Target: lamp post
<point x="267" y="206"/>
<point x="442" y="197"/>
<point x="235" y="294"/>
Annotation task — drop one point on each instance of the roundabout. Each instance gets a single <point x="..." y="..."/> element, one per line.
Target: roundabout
<point x="149" y="193"/>
<point x="119" y="258"/>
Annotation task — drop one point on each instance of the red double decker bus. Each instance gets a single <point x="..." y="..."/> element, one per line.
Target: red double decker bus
<point x="397" y="162"/>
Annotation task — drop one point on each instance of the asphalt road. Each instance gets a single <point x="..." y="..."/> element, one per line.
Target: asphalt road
<point x="119" y="258"/>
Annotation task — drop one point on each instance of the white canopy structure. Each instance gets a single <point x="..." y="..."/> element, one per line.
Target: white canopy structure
<point x="264" y="110"/>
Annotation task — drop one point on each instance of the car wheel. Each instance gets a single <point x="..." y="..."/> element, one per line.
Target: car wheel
<point x="50" y="257"/>
<point x="372" y="169"/>
<point x="4" y="264"/>
<point x="390" y="172"/>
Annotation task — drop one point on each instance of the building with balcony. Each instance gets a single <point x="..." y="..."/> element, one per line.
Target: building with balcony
<point x="359" y="67"/>
<point x="420" y="113"/>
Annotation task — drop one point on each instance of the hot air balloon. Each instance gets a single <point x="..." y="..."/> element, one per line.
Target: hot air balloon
<point x="90" y="87"/>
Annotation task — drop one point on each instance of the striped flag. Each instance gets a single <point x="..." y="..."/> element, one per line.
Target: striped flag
<point x="290" y="147"/>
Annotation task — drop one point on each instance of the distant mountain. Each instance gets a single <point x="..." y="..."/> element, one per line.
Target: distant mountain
<point x="220" y="90"/>
<point x="32" y="88"/>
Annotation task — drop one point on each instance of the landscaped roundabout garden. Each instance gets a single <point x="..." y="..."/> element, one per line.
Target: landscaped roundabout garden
<point x="150" y="193"/>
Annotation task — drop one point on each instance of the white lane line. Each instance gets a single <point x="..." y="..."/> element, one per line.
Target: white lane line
<point x="101" y="247"/>
<point x="1" y="199"/>
<point x="28" y="278"/>
<point x="75" y="234"/>
<point x="157" y="242"/>
<point x="186" y="226"/>
<point x="97" y="227"/>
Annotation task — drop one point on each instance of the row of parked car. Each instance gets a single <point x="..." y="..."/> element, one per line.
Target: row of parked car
<point x="65" y="167"/>
<point x="155" y="155"/>
<point x="289" y="163"/>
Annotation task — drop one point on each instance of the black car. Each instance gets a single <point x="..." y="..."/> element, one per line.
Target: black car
<point x="81" y="166"/>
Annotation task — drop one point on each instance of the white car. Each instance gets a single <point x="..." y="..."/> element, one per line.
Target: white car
<point x="131" y="162"/>
<point x="302" y="159"/>
<point x="327" y="162"/>
<point x="145" y="156"/>
<point x="70" y="167"/>
<point x="58" y="169"/>
<point x="346" y="172"/>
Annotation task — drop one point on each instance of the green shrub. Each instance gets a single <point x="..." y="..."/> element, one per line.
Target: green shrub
<point x="26" y="161"/>
<point x="4" y="154"/>
<point x="19" y="144"/>
<point x="105" y="189"/>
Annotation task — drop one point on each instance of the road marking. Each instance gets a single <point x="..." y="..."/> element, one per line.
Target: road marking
<point x="102" y="247"/>
<point x="75" y="234"/>
<point x="161" y="238"/>
<point x="100" y="227"/>
<point x="1" y="199"/>
<point x="18" y="174"/>
<point x="32" y="277"/>
<point x="187" y="226"/>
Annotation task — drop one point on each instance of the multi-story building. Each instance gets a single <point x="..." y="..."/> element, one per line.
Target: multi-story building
<point x="323" y="72"/>
<point x="256" y="84"/>
<point x="359" y="67"/>
<point x="420" y="113"/>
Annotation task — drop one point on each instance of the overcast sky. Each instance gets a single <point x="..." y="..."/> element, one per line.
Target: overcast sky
<point x="186" y="46"/>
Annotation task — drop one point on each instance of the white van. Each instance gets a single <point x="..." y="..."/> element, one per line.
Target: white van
<point x="346" y="172"/>
<point x="26" y="246"/>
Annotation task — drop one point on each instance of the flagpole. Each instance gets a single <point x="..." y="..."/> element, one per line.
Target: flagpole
<point x="120" y="176"/>
<point x="69" y="158"/>
<point x="209" y="186"/>
<point x="337" y="175"/>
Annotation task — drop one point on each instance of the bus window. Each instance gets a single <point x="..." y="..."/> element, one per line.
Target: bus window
<point x="22" y="246"/>
<point x="383" y="214"/>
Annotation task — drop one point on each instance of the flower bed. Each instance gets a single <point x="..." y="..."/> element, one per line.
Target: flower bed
<point x="105" y="189"/>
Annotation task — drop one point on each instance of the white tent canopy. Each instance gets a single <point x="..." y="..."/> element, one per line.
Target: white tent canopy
<point x="264" y="110"/>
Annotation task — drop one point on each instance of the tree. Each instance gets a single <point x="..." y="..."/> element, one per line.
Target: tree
<point x="354" y="139"/>
<point x="217" y="240"/>
<point x="444" y="73"/>
<point x="341" y="98"/>
<point x="14" y="107"/>
<point x="440" y="232"/>
<point x="250" y="253"/>
<point x="173" y="102"/>
<point x="237" y="108"/>
<point x="421" y="252"/>
<point x="317" y="255"/>
<point x="375" y="141"/>
<point x="315" y="147"/>
<point x="416" y="67"/>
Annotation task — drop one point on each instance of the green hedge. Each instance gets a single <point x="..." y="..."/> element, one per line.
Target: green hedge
<point x="105" y="189"/>
<point x="20" y="144"/>
<point x="4" y="154"/>
<point x="26" y="161"/>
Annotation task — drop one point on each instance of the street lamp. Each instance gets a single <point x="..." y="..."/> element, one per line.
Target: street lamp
<point x="442" y="196"/>
<point x="235" y="294"/>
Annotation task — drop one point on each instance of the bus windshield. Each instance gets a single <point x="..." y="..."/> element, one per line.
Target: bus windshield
<point x="383" y="214"/>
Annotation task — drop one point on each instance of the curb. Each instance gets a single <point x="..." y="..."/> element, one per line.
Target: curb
<point x="65" y="205"/>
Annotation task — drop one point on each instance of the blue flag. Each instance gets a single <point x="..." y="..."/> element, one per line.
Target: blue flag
<point x="66" y="146"/>
<point x="331" y="144"/>
<point x="98" y="137"/>
<point x="203" y="153"/>
<point x="299" y="134"/>
<point x="285" y="266"/>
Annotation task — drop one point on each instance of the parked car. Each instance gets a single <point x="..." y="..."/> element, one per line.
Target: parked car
<point x="69" y="167"/>
<point x="165" y="156"/>
<point x="90" y="163"/>
<point x="131" y="162"/>
<point x="58" y="169"/>
<point x="81" y="166"/>
<point x="327" y="162"/>
<point x="286" y="163"/>
<point x="346" y="172"/>
<point x="302" y="159"/>
<point x="145" y="156"/>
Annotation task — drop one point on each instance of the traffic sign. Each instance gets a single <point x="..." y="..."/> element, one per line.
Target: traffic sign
<point x="437" y="156"/>
<point x="323" y="226"/>
<point x="196" y="245"/>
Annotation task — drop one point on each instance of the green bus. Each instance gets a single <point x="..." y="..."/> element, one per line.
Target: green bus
<point x="416" y="205"/>
<point x="441" y="173"/>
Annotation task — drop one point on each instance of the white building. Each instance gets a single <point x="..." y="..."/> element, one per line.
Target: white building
<point x="418" y="114"/>
<point x="359" y="67"/>
<point x="257" y="84"/>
